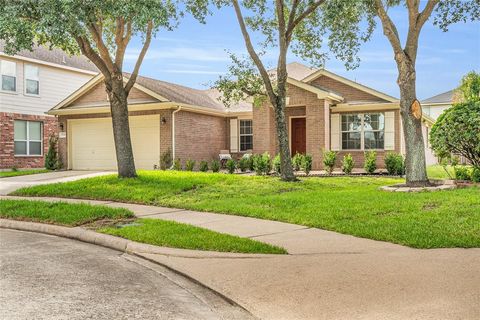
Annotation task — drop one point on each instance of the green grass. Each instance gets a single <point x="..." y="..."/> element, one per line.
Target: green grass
<point x="6" y="174"/>
<point x="61" y="213"/>
<point x="350" y="205"/>
<point x="437" y="172"/>
<point x="180" y="235"/>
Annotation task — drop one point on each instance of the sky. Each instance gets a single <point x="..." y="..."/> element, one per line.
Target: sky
<point x="196" y="54"/>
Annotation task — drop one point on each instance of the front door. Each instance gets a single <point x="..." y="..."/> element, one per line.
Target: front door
<point x="299" y="141"/>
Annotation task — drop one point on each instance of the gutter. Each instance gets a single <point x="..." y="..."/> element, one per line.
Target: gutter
<point x="173" y="131"/>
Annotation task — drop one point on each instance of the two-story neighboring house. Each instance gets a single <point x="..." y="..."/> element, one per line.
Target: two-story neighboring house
<point x="434" y="106"/>
<point x="31" y="83"/>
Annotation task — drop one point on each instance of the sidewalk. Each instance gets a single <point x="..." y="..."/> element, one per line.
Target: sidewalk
<point x="327" y="275"/>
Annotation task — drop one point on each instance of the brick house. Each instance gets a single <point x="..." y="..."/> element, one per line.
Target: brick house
<point x="31" y="83"/>
<point x="324" y="111"/>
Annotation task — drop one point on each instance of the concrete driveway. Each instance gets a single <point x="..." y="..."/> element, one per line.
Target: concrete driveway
<point x="11" y="184"/>
<point x="46" y="277"/>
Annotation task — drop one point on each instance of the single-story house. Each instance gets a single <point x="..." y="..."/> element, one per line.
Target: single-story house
<point x="324" y="111"/>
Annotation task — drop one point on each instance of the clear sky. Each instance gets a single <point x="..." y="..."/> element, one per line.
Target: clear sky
<point x="195" y="54"/>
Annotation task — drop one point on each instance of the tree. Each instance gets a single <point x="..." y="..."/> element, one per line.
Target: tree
<point x="298" y="25"/>
<point x="469" y="89"/>
<point x="99" y="29"/>
<point x="405" y="57"/>
<point x="457" y="131"/>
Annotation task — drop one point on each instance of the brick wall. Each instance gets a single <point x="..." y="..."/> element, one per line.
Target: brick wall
<point x="7" y="151"/>
<point x="346" y="91"/>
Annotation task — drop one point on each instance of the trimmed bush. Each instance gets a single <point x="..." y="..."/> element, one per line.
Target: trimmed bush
<point x="307" y="164"/>
<point x="475" y="175"/>
<point x="348" y="163"/>
<point x="190" y="165"/>
<point x="329" y="158"/>
<point x="203" y="166"/>
<point x="231" y="166"/>
<point x="462" y="173"/>
<point x="244" y="163"/>
<point x="215" y="166"/>
<point x="297" y="161"/>
<point x="51" y="159"/>
<point x="277" y="164"/>
<point x="262" y="164"/>
<point x="394" y="164"/>
<point x="166" y="160"/>
<point x="370" y="161"/>
<point x="177" y="164"/>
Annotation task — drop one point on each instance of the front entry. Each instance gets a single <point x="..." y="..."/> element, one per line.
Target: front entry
<point x="298" y="135"/>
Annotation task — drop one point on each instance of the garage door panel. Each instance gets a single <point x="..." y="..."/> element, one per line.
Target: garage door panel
<point x="93" y="148"/>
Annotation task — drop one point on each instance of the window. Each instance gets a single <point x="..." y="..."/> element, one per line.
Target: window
<point x="8" y="71"/>
<point x="31" y="80"/>
<point x="28" y="138"/>
<point x="363" y="131"/>
<point x="246" y="135"/>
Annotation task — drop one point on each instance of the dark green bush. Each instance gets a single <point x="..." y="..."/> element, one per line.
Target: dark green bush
<point x="190" y="165"/>
<point x="203" y="166"/>
<point x="329" y="158"/>
<point x="231" y="165"/>
<point x="297" y="161"/>
<point x="177" y="164"/>
<point x="244" y="163"/>
<point x="277" y="164"/>
<point x="348" y="163"/>
<point x="166" y="160"/>
<point x="307" y="164"/>
<point x="475" y="175"/>
<point x="262" y="164"/>
<point x="51" y="159"/>
<point x="370" y="161"/>
<point x="215" y="166"/>
<point x="394" y="164"/>
<point x="462" y="173"/>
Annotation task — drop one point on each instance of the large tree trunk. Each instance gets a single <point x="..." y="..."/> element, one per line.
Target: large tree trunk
<point x="121" y="128"/>
<point x="286" y="169"/>
<point x="415" y="165"/>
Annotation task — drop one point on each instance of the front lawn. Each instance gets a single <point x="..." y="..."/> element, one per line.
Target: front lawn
<point x="6" y="174"/>
<point x="185" y="236"/>
<point x="437" y="172"/>
<point x="351" y="205"/>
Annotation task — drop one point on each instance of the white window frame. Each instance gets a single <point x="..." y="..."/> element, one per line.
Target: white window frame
<point x="362" y="131"/>
<point x="15" y="75"/>
<point x="25" y="80"/>
<point x="28" y="140"/>
<point x="240" y="134"/>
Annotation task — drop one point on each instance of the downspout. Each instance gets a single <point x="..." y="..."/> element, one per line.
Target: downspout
<point x="173" y="131"/>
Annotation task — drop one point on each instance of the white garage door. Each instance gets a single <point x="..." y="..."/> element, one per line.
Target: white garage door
<point x="92" y="146"/>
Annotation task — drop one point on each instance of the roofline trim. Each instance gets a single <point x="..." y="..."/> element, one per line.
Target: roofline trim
<point x="321" y="94"/>
<point x="46" y="63"/>
<point x="323" y="72"/>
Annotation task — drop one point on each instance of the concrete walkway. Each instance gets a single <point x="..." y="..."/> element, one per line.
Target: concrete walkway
<point x="327" y="275"/>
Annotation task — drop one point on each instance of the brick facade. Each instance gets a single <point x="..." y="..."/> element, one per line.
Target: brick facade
<point x="8" y="159"/>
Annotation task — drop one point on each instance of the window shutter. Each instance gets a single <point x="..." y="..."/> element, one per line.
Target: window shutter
<point x="233" y="135"/>
<point x="390" y="130"/>
<point x="335" y="131"/>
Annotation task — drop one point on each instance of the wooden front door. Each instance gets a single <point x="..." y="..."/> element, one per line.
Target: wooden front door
<point x="299" y="138"/>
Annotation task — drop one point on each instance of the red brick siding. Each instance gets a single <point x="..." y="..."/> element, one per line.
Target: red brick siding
<point x="7" y="151"/>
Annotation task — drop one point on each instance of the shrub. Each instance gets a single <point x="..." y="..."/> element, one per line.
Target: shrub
<point x="277" y="164"/>
<point x="215" y="166"/>
<point x="475" y="174"/>
<point x="14" y="169"/>
<point x="297" y="161"/>
<point x="462" y="173"/>
<point x="244" y="163"/>
<point x="51" y="159"/>
<point x="262" y="164"/>
<point x="177" y="164"/>
<point x="307" y="163"/>
<point x="329" y="158"/>
<point x="190" y="165"/>
<point x="456" y="132"/>
<point x="231" y="165"/>
<point x="348" y="163"/>
<point x="166" y="160"/>
<point x="370" y="161"/>
<point x="203" y="166"/>
<point x="394" y="164"/>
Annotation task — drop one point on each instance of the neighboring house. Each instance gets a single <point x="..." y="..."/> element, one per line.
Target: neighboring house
<point x="31" y="83"/>
<point x="324" y="111"/>
<point x="435" y="105"/>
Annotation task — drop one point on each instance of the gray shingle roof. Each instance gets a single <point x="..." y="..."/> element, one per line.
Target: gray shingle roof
<point x="55" y="56"/>
<point x="445" y="97"/>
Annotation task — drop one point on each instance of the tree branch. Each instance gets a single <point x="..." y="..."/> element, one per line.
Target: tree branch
<point x="87" y="50"/>
<point x="253" y="54"/>
<point x="389" y="29"/>
<point x="96" y="32"/>
<point x="146" y="44"/>
<point x="426" y="13"/>
<point x="302" y="16"/>
<point x="119" y="41"/>
<point x="291" y="17"/>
